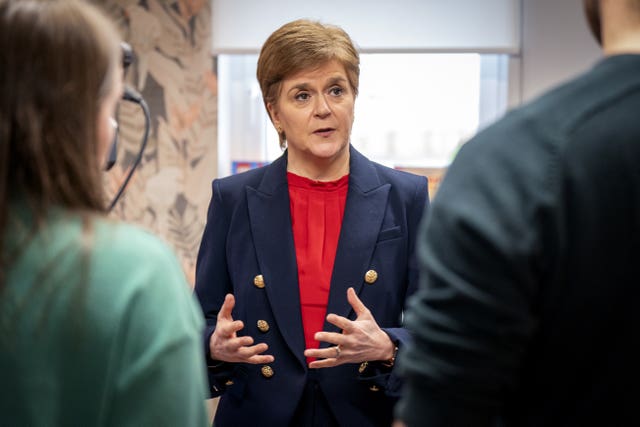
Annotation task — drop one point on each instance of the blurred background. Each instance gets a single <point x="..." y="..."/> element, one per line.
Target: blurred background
<point x="433" y="73"/>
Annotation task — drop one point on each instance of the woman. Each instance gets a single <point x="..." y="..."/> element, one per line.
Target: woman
<point x="305" y="264"/>
<point x="97" y="324"/>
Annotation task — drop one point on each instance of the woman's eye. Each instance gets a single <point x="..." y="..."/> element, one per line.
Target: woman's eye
<point x="302" y="96"/>
<point x="336" y="91"/>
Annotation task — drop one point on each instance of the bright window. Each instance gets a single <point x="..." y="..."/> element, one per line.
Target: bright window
<point x="413" y="110"/>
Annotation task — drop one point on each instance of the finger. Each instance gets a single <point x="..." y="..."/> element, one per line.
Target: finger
<point x="255" y="353"/>
<point x="321" y="353"/>
<point x="341" y="322"/>
<point x="227" y="307"/>
<point x="358" y="307"/>
<point x="317" y="353"/>
<point x="324" y="363"/>
<point x="261" y="359"/>
<point x="228" y="329"/>
<point x="235" y="344"/>
<point x="330" y="337"/>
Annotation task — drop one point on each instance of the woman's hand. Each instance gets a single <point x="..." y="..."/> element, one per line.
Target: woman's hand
<point x="226" y="346"/>
<point x="361" y="339"/>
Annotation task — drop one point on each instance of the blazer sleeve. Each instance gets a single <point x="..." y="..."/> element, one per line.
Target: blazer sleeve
<point x="213" y="282"/>
<point x="379" y="373"/>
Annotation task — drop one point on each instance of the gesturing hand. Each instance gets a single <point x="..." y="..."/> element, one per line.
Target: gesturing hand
<point x="226" y="346"/>
<point x="361" y="339"/>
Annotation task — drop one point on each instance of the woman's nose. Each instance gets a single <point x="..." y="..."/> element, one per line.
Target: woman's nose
<point x="322" y="108"/>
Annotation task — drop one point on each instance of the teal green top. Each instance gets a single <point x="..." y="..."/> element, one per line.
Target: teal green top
<point x="99" y="327"/>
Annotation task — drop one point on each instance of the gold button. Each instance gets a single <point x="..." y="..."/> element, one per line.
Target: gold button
<point x="263" y="326"/>
<point x="258" y="281"/>
<point x="374" y="388"/>
<point x="228" y="383"/>
<point x="371" y="276"/>
<point x="267" y="372"/>
<point x="363" y="366"/>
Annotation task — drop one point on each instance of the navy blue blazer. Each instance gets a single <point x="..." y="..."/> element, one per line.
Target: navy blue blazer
<point x="249" y="233"/>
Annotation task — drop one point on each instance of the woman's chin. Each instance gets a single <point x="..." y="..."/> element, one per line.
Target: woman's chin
<point x="327" y="150"/>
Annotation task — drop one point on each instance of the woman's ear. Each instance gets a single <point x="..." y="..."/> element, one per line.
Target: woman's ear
<point x="273" y="113"/>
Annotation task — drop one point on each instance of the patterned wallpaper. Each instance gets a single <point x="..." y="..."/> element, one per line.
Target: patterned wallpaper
<point x="175" y="72"/>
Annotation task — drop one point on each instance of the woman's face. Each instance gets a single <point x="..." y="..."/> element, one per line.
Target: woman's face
<point x="315" y="110"/>
<point x="105" y="127"/>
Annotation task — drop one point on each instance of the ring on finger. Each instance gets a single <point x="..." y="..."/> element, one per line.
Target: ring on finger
<point x="337" y="348"/>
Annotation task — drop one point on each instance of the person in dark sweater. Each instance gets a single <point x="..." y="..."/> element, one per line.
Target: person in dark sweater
<point x="527" y="311"/>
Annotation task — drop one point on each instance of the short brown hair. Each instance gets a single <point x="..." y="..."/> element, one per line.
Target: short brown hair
<point x="299" y="45"/>
<point x="59" y="62"/>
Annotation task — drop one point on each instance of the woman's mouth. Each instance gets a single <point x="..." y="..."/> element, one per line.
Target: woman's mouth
<point x="324" y="132"/>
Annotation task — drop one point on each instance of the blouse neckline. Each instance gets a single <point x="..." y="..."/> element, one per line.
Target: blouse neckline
<point x="307" y="183"/>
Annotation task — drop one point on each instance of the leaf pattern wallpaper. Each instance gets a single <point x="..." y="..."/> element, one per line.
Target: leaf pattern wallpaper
<point x="175" y="72"/>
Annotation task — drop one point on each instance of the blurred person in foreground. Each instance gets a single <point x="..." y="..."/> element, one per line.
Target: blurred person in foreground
<point x="306" y="263"/>
<point x="97" y="323"/>
<point x="527" y="311"/>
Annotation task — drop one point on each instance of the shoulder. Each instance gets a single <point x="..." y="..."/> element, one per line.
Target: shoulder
<point x="404" y="183"/>
<point x="71" y="237"/>
<point x="398" y="176"/>
<point x="128" y="262"/>
<point x="551" y="120"/>
<point x="367" y="174"/>
<point x="128" y="243"/>
<point x="231" y="191"/>
<point x="251" y="177"/>
<point x="139" y="276"/>
<point x="272" y="174"/>
<point x="123" y="271"/>
<point x="533" y="139"/>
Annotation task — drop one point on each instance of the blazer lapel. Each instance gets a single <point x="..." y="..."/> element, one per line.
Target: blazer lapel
<point x="270" y="219"/>
<point x="363" y="214"/>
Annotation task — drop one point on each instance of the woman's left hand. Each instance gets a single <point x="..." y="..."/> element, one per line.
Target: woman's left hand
<point x="361" y="339"/>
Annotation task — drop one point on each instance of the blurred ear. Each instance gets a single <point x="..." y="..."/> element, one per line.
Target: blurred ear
<point x="592" y="11"/>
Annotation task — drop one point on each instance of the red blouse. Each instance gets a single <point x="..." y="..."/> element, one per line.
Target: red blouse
<point x="316" y="216"/>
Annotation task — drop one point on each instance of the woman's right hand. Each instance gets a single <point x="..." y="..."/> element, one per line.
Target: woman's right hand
<point x="226" y="346"/>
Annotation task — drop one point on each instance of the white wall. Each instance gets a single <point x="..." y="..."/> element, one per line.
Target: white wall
<point x="242" y="26"/>
<point x="550" y="38"/>
<point x="556" y="45"/>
